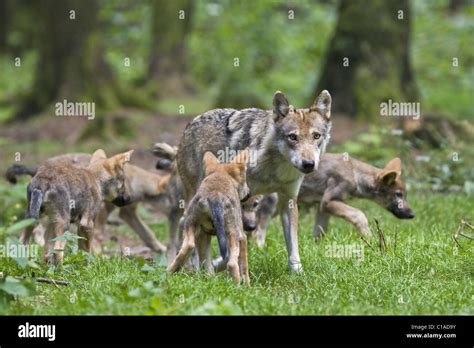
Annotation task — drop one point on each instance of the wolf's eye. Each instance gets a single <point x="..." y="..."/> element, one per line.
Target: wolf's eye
<point x="399" y="194"/>
<point x="255" y="204"/>
<point x="292" y="137"/>
<point x="316" y="136"/>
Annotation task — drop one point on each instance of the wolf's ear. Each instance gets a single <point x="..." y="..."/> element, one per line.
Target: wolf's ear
<point x="387" y="178"/>
<point x="391" y="172"/>
<point x="395" y="165"/>
<point x="210" y="162"/>
<point x="238" y="166"/>
<point x="241" y="160"/>
<point x="242" y="157"/>
<point x="281" y="106"/>
<point x="98" y="155"/>
<point x="322" y="104"/>
<point x="119" y="160"/>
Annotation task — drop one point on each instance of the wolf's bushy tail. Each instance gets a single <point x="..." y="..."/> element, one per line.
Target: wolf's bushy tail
<point x="34" y="203"/>
<point x="217" y="217"/>
<point x="167" y="155"/>
<point x="165" y="150"/>
<point x="18" y="169"/>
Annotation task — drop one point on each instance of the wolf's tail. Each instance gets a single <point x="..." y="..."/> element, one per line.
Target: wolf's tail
<point x="18" y="169"/>
<point x="165" y="150"/>
<point x="167" y="155"/>
<point x="217" y="217"/>
<point x="35" y="200"/>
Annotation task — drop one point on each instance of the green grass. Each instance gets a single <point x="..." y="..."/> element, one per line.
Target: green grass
<point x="424" y="274"/>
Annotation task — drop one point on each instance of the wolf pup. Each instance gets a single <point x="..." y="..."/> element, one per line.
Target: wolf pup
<point x="339" y="178"/>
<point x="140" y="184"/>
<point x="68" y="193"/>
<point x="285" y="144"/>
<point x="216" y="209"/>
<point x="167" y="161"/>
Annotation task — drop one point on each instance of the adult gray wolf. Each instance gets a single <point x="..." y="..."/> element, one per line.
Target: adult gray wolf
<point x="285" y="144"/>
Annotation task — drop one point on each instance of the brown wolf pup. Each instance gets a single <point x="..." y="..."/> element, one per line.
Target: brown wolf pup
<point x="216" y="209"/>
<point x="174" y="191"/>
<point x="141" y="185"/>
<point x="68" y="193"/>
<point x="338" y="179"/>
<point x="285" y="144"/>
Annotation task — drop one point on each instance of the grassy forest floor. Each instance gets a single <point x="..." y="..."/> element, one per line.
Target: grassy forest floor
<point x="421" y="272"/>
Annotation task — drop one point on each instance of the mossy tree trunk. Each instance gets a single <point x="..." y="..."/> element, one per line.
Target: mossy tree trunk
<point x="368" y="58"/>
<point x="4" y="21"/>
<point x="171" y="22"/>
<point x="71" y="62"/>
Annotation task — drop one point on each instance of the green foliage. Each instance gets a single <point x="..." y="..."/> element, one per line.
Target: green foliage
<point x="20" y="225"/>
<point x="437" y="39"/>
<point x="274" y="52"/>
<point x="12" y="204"/>
<point x="11" y="288"/>
<point x="136" y="17"/>
<point x="449" y="168"/>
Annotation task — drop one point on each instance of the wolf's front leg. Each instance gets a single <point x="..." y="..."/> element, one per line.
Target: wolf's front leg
<point x="321" y="224"/>
<point x="289" y="218"/>
<point x="350" y="214"/>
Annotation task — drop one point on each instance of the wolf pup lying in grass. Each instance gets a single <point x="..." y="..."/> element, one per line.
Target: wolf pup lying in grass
<point x="67" y="193"/>
<point x="216" y="208"/>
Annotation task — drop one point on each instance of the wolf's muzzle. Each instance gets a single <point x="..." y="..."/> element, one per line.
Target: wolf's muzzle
<point x="307" y="166"/>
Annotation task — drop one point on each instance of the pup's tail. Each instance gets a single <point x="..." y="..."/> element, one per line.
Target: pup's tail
<point x="35" y="199"/>
<point x="18" y="169"/>
<point x="166" y="154"/>
<point x="165" y="150"/>
<point x="217" y="217"/>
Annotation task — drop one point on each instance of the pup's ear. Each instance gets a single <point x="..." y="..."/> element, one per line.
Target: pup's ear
<point x="387" y="178"/>
<point x="322" y="104"/>
<point x="394" y="164"/>
<point x="118" y="161"/>
<point x="391" y="172"/>
<point x="281" y="106"/>
<point x="210" y="162"/>
<point x="98" y="155"/>
<point x="242" y="157"/>
<point x="238" y="166"/>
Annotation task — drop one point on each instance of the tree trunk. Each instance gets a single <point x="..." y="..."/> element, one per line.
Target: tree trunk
<point x="167" y="62"/>
<point x="368" y="59"/>
<point x="71" y="61"/>
<point x="455" y="6"/>
<point x="4" y="21"/>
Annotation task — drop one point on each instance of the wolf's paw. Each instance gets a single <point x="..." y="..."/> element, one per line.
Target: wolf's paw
<point x="365" y="232"/>
<point x="295" y="266"/>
